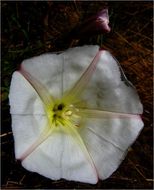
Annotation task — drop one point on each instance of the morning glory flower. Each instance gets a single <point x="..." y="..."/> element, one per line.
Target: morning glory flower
<point x="74" y="114"/>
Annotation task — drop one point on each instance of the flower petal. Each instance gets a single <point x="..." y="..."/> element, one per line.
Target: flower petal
<point x="23" y="98"/>
<point x="60" y="157"/>
<point x="43" y="136"/>
<point x="92" y="113"/>
<point x="80" y="85"/>
<point x="47" y="69"/>
<point x="107" y="141"/>
<point x="46" y="159"/>
<point x="41" y="90"/>
<point x="71" y="130"/>
<point x="26" y="129"/>
<point x="106" y="91"/>
<point x="106" y="157"/>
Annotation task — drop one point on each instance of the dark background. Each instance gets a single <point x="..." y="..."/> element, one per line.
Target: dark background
<point x="31" y="28"/>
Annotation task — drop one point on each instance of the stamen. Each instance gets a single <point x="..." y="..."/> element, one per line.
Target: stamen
<point x="68" y="113"/>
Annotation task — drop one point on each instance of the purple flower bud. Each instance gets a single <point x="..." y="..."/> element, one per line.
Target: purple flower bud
<point x="97" y="24"/>
<point x="102" y="20"/>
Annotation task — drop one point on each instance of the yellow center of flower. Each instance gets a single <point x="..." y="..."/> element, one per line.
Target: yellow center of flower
<point x="61" y="113"/>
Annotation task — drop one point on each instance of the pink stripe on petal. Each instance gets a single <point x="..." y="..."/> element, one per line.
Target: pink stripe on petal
<point x="71" y="130"/>
<point x="43" y="136"/>
<point x="43" y="93"/>
<point x="100" y="114"/>
<point x="80" y="85"/>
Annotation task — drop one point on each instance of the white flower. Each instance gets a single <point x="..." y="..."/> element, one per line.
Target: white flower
<point x="74" y="114"/>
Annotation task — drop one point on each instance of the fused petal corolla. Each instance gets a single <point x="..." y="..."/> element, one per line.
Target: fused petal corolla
<point x="74" y="114"/>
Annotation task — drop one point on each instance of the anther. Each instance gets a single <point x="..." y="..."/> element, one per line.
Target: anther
<point x="68" y="113"/>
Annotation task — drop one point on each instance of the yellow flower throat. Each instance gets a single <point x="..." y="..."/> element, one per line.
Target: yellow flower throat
<point x="61" y="113"/>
